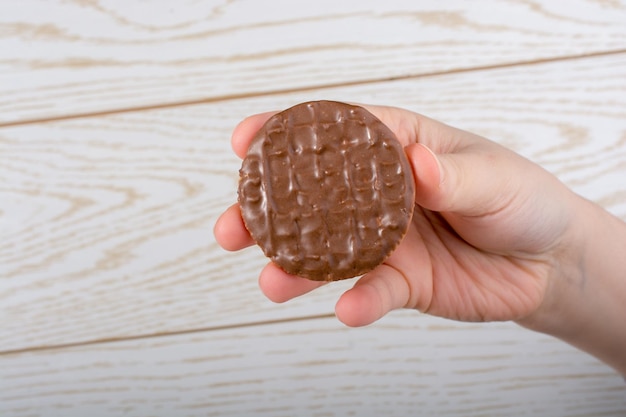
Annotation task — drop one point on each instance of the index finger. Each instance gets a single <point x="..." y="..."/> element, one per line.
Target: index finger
<point x="245" y="131"/>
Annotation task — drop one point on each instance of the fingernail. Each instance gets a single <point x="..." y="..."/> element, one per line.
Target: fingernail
<point x="437" y="162"/>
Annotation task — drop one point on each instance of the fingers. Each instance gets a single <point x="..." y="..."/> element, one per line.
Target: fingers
<point x="231" y="234"/>
<point x="373" y="296"/>
<point x="245" y="131"/>
<point x="230" y="231"/>
<point x="279" y="286"/>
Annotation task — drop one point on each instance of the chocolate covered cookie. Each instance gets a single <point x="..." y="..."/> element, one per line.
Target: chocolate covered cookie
<point x="326" y="190"/>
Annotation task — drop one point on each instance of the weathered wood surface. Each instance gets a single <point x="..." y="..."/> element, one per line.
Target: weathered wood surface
<point x="114" y="297"/>
<point x="58" y="58"/>
<point x="107" y="220"/>
<point x="405" y="365"/>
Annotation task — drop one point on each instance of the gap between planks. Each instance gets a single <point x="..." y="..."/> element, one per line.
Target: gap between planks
<point x="238" y="96"/>
<point x="166" y="334"/>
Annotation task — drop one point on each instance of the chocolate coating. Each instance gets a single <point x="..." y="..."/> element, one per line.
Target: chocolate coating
<point x="326" y="190"/>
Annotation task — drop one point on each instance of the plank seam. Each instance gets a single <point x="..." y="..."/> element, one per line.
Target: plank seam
<point x="109" y="340"/>
<point x="240" y="96"/>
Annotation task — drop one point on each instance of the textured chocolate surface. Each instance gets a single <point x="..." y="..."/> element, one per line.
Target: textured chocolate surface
<point x="326" y="190"/>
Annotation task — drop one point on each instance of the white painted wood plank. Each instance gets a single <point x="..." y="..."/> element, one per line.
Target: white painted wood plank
<point x="65" y="57"/>
<point x="405" y="365"/>
<point x="106" y="222"/>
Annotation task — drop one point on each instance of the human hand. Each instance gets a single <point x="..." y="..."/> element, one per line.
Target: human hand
<point x="485" y="240"/>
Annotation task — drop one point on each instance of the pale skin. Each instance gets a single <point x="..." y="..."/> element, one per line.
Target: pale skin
<point x="493" y="237"/>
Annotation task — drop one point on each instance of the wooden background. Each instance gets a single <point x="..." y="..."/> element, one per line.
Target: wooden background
<point x="115" y="120"/>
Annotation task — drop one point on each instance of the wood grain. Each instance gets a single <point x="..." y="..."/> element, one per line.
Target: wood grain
<point x="85" y="56"/>
<point x="114" y="297"/>
<point x="405" y="365"/>
<point x="106" y="221"/>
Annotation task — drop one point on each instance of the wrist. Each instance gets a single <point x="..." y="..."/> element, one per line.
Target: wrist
<point x="565" y="277"/>
<point x="583" y="302"/>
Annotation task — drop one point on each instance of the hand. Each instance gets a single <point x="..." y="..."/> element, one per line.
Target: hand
<point x="485" y="241"/>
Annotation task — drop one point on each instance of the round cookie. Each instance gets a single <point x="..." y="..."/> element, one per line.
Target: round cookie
<point x="326" y="190"/>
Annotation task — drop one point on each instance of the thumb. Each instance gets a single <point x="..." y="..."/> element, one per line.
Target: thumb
<point x="473" y="181"/>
